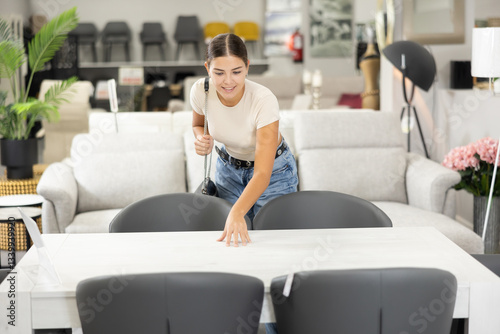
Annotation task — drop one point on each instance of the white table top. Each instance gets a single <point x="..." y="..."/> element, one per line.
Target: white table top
<point x="271" y="254"/>
<point x="20" y="200"/>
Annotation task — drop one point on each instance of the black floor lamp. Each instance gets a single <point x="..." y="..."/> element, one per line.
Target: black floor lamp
<point x="416" y="64"/>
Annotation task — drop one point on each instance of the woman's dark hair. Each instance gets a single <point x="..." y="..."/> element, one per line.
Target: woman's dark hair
<point x="226" y="45"/>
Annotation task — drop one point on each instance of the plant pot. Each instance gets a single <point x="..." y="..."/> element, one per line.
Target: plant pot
<point x="492" y="240"/>
<point x="19" y="156"/>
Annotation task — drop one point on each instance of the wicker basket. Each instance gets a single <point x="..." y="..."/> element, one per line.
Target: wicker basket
<point x="21" y="187"/>
<point x="21" y="241"/>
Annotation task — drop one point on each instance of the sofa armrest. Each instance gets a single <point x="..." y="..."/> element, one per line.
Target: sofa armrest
<point x="60" y="192"/>
<point x="427" y="183"/>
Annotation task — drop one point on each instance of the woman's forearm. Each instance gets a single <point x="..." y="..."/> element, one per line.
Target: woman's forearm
<point x="254" y="189"/>
<point x="198" y="130"/>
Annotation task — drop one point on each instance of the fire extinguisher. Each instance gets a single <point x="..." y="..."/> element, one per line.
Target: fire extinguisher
<point x="297" y="46"/>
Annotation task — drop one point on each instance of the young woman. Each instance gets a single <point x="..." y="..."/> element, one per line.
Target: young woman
<point x="254" y="165"/>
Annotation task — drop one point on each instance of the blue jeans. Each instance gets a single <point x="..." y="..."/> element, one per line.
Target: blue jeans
<point x="271" y="328"/>
<point x="231" y="181"/>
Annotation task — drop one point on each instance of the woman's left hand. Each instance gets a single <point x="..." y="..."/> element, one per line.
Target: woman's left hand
<point x="236" y="228"/>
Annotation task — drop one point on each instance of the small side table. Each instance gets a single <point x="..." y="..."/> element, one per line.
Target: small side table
<point x="11" y="201"/>
<point x="13" y="234"/>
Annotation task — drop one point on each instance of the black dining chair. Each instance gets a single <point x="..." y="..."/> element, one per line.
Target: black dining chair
<point x="368" y="301"/>
<point x="152" y="34"/>
<point x="195" y="302"/>
<point x="188" y="31"/>
<point x="86" y="34"/>
<point x="319" y="209"/>
<point x="117" y="32"/>
<point x="173" y="212"/>
<point x="490" y="261"/>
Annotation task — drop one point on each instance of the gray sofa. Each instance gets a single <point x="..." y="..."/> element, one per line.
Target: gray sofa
<point x="356" y="152"/>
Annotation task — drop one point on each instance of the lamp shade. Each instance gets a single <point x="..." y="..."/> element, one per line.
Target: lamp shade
<point x="419" y="63"/>
<point x="485" y="61"/>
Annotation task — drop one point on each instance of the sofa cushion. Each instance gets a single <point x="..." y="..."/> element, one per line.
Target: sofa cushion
<point x="347" y="129"/>
<point x="130" y="122"/>
<point x="374" y="174"/>
<point x="115" y="170"/>
<point x="92" y="222"/>
<point x="403" y="215"/>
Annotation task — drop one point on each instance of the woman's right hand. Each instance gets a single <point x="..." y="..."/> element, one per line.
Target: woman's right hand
<point x="203" y="144"/>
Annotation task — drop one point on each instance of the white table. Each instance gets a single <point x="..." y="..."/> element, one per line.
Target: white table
<point x="271" y="254"/>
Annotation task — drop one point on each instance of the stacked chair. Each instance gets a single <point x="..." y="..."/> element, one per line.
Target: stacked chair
<point x="117" y="32"/>
<point x="188" y="31"/>
<point x="249" y="32"/>
<point x="213" y="29"/>
<point x="152" y="34"/>
<point x="86" y="34"/>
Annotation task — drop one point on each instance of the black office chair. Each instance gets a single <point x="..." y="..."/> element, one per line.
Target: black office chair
<point x="319" y="209"/>
<point x="4" y="272"/>
<point x="173" y="212"/>
<point x="209" y="303"/>
<point x="490" y="261"/>
<point x="188" y="31"/>
<point x="116" y="33"/>
<point x="86" y="34"/>
<point x="152" y="34"/>
<point x="368" y="301"/>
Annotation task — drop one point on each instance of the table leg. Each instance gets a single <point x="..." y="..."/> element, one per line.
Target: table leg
<point x="484" y="304"/>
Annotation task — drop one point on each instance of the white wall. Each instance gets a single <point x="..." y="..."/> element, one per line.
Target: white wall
<point x="164" y="11"/>
<point x="17" y="7"/>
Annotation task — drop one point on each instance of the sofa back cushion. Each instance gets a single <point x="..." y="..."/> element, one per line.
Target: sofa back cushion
<point x="115" y="170"/>
<point x="130" y="122"/>
<point x="360" y="153"/>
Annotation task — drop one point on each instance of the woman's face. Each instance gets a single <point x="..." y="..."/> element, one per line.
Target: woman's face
<point x="228" y="74"/>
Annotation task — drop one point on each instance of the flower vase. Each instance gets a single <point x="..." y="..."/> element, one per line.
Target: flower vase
<point x="491" y="242"/>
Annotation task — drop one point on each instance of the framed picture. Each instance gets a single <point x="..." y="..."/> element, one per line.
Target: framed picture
<point x="331" y="30"/>
<point x="279" y="28"/>
<point x="434" y="21"/>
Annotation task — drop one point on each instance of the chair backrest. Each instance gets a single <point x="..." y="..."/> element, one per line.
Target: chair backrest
<point x="247" y="30"/>
<point x="115" y="29"/>
<point x="210" y="303"/>
<point x="319" y="209"/>
<point x="490" y="261"/>
<point x="368" y="301"/>
<point x="360" y="153"/>
<point x="173" y="212"/>
<point x="152" y="30"/>
<point x="213" y="29"/>
<point x="187" y="29"/>
<point x="85" y="29"/>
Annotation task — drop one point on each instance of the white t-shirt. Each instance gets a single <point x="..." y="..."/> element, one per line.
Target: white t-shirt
<point x="236" y="127"/>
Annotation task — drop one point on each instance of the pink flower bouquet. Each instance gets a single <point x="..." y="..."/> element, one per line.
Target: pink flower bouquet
<point x="475" y="164"/>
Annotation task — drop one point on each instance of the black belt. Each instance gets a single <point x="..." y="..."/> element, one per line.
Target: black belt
<point x="244" y="163"/>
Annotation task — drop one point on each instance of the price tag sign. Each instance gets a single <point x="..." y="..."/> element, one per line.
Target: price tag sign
<point x="131" y="76"/>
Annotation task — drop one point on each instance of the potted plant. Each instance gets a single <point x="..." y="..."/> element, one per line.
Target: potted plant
<point x="18" y="150"/>
<point x="475" y="163"/>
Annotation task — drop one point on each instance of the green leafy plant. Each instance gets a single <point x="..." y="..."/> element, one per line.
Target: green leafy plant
<point x="18" y="118"/>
